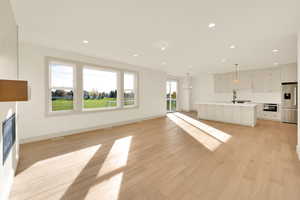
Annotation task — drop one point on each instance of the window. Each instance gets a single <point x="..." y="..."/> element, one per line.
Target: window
<point x="75" y="87"/>
<point x="61" y="86"/>
<point x="129" y="89"/>
<point x="99" y="88"/>
<point x="171" y="96"/>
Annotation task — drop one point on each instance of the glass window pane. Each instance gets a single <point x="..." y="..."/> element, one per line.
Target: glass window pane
<point x="100" y="88"/>
<point x="128" y="81"/>
<point x="173" y="105"/>
<point x="168" y="104"/>
<point x="173" y="88"/>
<point x="61" y="75"/>
<point x="129" y="97"/>
<point x="61" y="99"/>
<point x="171" y="95"/>
<point x="168" y="90"/>
<point x="129" y="89"/>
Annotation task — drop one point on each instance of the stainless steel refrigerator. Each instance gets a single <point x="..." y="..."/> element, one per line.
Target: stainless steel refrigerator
<point x="289" y="102"/>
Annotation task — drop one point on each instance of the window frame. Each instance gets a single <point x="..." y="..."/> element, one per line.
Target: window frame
<point x="49" y="87"/>
<point x="107" y="69"/>
<point x="135" y="89"/>
<point x="177" y="94"/>
<point x="78" y="104"/>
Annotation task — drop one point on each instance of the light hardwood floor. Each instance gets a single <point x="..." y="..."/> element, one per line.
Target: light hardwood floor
<point x="165" y="158"/>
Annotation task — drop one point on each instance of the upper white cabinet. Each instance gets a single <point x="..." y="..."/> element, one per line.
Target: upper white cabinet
<point x="274" y="80"/>
<point x="289" y="73"/>
<point x="259" y="81"/>
<point x="267" y="80"/>
<point x="218" y="83"/>
<point x="223" y="82"/>
<point x="245" y="80"/>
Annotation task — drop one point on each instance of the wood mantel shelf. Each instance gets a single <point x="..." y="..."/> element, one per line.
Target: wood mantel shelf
<point x="13" y="90"/>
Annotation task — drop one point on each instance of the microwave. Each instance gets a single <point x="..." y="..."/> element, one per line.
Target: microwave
<point x="270" y="107"/>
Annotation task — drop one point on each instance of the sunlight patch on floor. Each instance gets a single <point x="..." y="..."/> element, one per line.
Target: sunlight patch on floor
<point x="206" y="140"/>
<point x="109" y="189"/>
<point x="115" y="160"/>
<point x="220" y="135"/>
<point x="82" y="155"/>
<point x="117" y="157"/>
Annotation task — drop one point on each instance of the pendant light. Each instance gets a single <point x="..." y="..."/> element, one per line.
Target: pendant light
<point x="236" y="74"/>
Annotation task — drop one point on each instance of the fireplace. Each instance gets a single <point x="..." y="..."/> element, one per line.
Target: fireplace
<point x="9" y="135"/>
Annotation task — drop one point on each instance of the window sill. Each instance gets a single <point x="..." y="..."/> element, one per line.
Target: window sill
<point x="130" y="107"/>
<point x="86" y="111"/>
<point x="60" y="113"/>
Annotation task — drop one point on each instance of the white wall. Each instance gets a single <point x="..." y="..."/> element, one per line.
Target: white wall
<point x="35" y="125"/>
<point x="8" y="70"/>
<point x="184" y="95"/>
<point x="298" y="146"/>
<point x="203" y="90"/>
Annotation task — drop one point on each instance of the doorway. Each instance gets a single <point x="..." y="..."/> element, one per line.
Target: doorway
<point x="171" y="95"/>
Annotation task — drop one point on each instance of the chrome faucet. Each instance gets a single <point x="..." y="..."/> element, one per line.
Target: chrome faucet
<point x="234" y="96"/>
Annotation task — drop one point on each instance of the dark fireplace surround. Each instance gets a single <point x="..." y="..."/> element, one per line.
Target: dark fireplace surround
<point x="9" y="136"/>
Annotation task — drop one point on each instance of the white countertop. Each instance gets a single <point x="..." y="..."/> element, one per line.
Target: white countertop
<point x="272" y="102"/>
<point x="228" y="104"/>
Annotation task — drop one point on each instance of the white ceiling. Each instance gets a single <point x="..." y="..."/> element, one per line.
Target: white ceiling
<point x="118" y="29"/>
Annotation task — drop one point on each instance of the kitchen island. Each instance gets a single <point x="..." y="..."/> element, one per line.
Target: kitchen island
<point x="238" y="113"/>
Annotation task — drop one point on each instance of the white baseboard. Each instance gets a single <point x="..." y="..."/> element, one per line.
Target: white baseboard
<point x="262" y="118"/>
<point x="72" y="132"/>
<point x="298" y="150"/>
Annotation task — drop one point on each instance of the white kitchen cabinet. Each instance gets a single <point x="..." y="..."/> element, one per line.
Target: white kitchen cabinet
<point x="272" y="81"/>
<point x="266" y="80"/>
<point x="270" y="115"/>
<point x="267" y="83"/>
<point x="218" y="83"/>
<point x="275" y="80"/>
<point x="258" y="82"/>
<point x="245" y="80"/>
<point x="259" y="110"/>
<point x="228" y="114"/>
<point x="247" y="114"/>
<point x="223" y="82"/>
<point x="202" y="111"/>
<point x="261" y="114"/>
<point x="237" y="114"/>
<point x="289" y="73"/>
<point x="244" y="114"/>
<point x="219" y="112"/>
<point x="228" y="82"/>
<point x="211" y="112"/>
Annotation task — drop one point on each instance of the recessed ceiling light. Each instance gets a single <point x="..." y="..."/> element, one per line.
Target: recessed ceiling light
<point x="163" y="63"/>
<point x="162" y="45"/>
<point x="276" y="63"/>
<point x="135" y="55"/>
<point x="85" y="41"/>
<point x="232" y="46"/>
<point x="223" y="60"/>
<point x="275" y="50"/>
<point x="211" y="25"/>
